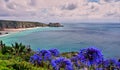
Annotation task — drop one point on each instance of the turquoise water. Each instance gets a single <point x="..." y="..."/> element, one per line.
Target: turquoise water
<point x="71" y="37"/>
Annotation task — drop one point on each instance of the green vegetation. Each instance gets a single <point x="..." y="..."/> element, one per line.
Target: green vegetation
<point x="21" y="57"/>
<point x="16" y="57"/>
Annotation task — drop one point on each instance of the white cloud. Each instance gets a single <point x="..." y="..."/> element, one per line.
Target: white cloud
<point x="74" y="9"/>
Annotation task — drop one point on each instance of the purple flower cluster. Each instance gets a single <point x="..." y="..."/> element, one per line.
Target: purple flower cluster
<point x="111" y="64"/>
<point x="35" y="59"/>
<point x="86" y="58"/>
<point x="76" y="61"/>
<point x="90" y="56"/>
<point x="62" y="62"/>
<point x="54" y="52"/>
<point x="43" y="55"/>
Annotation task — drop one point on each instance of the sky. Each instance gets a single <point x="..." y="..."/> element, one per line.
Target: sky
<point x="61" y="10"/>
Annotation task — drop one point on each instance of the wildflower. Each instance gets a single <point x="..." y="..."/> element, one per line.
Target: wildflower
<point x="68" y="64"/>
<point x="90" y="56"/>
<point x="76" y="61"/>
<point x="99" y="69"/>
<point x="54" y="52"/>
<point x="61" y="62"/>
<point x="46" y="55"/>
<point x="35" y="59"/>
<point x="118" y="65"/>
<point x="110" y="62"/>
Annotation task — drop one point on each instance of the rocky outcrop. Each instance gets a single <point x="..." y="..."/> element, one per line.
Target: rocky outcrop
<point x="55" y="25"/>
<point x="5" y="24"/>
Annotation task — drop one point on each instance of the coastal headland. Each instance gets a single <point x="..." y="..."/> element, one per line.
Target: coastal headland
<point x="10" y="26"/>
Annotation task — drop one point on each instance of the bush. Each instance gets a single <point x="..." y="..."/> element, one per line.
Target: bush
<point x="5" y="57"/>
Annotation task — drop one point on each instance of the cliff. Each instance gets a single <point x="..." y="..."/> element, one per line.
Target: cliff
<point x="25" y="24"/>
<point x="20" y="24"/>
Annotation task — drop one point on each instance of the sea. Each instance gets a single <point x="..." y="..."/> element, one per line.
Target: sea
<point x="71" y="37"/>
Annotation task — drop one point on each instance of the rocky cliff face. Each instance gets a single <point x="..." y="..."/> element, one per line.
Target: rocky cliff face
<point x="20" y="24"/>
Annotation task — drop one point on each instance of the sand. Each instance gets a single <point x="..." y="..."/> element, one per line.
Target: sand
<point x="12" y="30"/>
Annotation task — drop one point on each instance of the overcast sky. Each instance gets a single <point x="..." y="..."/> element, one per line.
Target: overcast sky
<point x="61" y="10"/>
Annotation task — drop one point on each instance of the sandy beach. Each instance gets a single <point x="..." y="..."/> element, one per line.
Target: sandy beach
<point x="6" y="32"/>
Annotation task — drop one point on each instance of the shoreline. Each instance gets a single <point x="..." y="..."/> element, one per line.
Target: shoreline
<point x="10" y="31"/>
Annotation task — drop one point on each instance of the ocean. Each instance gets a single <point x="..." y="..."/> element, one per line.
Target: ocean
<point x="72" y="37"/>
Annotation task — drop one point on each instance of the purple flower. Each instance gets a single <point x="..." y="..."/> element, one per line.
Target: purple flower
<point x="99" y="69"/>
<point x="61" y="62"/>
<point x="47" y="56"/>
<point x="35" y="59"/>
<point x="41" y="55"/>
<point x="54" y="52"/>
<point x="54" y="63"/>
<point x="110" y="62"/>
<point x="68" y="64"/>
<point x="118" y="64"/>
<point x="57" y="63"/>
<point x="43" y="52"/>
<point x="76" y="61"/>
<point x="90" y="56"/>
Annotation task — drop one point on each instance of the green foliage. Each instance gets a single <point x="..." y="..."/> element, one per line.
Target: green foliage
<point x="16" y="57"/>
<point x="3" y="48"/>
<point x="14" y="64"/>
<point x="3" y="65"/>
<point x="5" y="57"/>
<point x="18" y="49"/>
<point x="6" y="49"/>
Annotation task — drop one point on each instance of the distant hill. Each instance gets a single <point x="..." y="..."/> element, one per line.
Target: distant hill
<point x="25" y="24"/>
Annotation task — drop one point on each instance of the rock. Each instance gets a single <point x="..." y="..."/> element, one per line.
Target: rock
<point x="6" y="33"/>
<point x="55" y="25"/>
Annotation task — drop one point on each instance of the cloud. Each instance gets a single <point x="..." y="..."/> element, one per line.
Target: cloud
<point x="111" y="0"/>
<point x="70" y="9"/>
<point x="93" y="0"/>
<point x="69" y="6"/>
